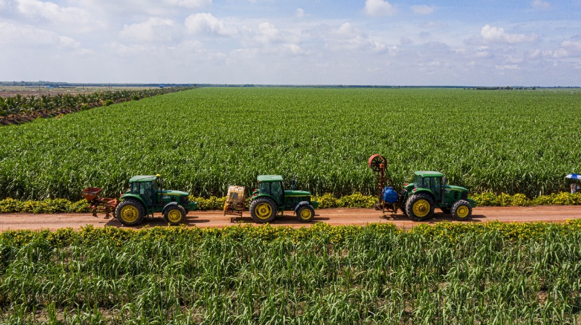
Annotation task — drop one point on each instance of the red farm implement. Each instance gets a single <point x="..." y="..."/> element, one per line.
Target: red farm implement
<point x="97" y="203"/>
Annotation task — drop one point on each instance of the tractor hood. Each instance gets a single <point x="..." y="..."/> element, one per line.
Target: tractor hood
<point x="288" y="193"/>
<point x="455" y="188"/>
<point x="174" y="193"/>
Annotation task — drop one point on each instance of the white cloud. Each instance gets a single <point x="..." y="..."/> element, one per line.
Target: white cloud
<point x="24" y="36"/>
<point x="423" y="9"/>
<point x="153" y="29"/>
<point x="299" y="13"/>
<point x="507" y="67"/>
<point x="207" y="23"/>
<point x="71" y="16"/>
<point x="347" y="37"/>
<point x="191" y="4"/>
<point x="540" y="5"/>
<point x="379" y="8"/>
<point x="268" y="34"/>
<point x="497" y="34"/>
<point x="569" y="48"/>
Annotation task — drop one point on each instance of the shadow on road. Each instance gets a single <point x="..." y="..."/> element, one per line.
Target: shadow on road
<point x="284" y="220"/>
<point x="158" y="221"/>
<point x="438" y="217"/>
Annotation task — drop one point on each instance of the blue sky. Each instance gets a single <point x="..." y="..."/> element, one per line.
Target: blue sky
<point x="364" y="42"/>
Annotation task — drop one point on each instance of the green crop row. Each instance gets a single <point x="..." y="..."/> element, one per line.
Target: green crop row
<point x="204" y="140"/>
<point x="449" y="273"/>
<point x="356" y="200"/>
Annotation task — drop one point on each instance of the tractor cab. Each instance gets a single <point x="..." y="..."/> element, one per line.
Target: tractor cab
<point x="431" y="181"/>
<point x="146" y="188"/>
<point x="272" y="186"/>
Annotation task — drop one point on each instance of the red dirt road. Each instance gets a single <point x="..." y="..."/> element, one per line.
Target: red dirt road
<point x="330" y="216"/>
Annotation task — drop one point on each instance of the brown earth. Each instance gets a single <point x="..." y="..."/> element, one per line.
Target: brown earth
<point x="330" y="216"/>
<point x="11" y="91"/>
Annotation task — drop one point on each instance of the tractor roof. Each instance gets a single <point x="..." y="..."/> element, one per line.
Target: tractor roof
<point x="269" y="178"/>
<point x="424" y="173"/>
<point x="142" y="178"/>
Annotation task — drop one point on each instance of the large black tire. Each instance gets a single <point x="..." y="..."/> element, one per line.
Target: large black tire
<point x="175" y="214"/>
<point x="305" y="213"/>
<point x="462" y="210"/>
<point x="263" y="210"/>
<point x="420" y="207"/>
<point x="130" y="212"/>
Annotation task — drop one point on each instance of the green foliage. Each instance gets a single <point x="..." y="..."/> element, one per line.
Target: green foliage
<point x="356" y="200"/>
<point x="205" y="139"/>
<point x="10" y="205"/>
<point x="503" y="199"/>
<point x="450" y="273"/>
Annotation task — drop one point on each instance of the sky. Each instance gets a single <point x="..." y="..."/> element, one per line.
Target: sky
<point x="293" y="42"/>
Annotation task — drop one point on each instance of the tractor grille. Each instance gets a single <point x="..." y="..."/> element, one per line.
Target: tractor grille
<point x="464" y="195"/>
<point x="183" y="200"/>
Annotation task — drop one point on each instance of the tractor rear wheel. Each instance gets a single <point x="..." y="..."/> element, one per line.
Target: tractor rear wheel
<point x="420" y="207"/>
<point x="130" y="212"/>
<point x="305" y="213"/>
<point x="462" y="210"/>
<point x="263" y="210"/>
<point x="175" y="214"/>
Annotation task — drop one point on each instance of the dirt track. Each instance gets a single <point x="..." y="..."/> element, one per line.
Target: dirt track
<point x="330" y="216"/>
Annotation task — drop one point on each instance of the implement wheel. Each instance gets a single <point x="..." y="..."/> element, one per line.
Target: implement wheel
<point x="175" y="214"/>
<point x="263" y="210"/>
<point x="462" y="210"/>
<point x="420" y="207"/>
<point x="377" y="163"/>
<point x="305" y="213"/>
<point x="130" y="212"/>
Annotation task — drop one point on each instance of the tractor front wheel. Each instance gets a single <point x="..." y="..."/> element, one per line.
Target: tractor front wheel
<point x="420" y="207"/>
<point x="306" y="213"/>
<point x="130" y="212"/>
<point x="263" y="210"/>
<point x="175" y="214"/>
<point x="462" y="210"/>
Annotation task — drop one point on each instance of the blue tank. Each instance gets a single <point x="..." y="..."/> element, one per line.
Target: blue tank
<point x="390" y="195"/>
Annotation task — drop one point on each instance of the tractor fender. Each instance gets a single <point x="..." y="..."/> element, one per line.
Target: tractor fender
<point x="428" y="192"/>
<point x="167" y="206"/>
<point x="133" y="196"/>
<point x="302" y="203"/>
<point x="472" y="202"/>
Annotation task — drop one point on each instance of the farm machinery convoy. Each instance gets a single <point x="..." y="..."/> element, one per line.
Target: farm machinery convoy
<point x="146" y="196"/>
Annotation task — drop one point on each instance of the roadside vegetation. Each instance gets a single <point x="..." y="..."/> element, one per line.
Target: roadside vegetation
<point x="443" y="274"/>
<point x="356" y="200"/>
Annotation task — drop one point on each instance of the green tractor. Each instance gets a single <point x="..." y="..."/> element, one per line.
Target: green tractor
<point x="271" y="198"/>
<point x="419" y="199"/>
<point x="146" y="196"/>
